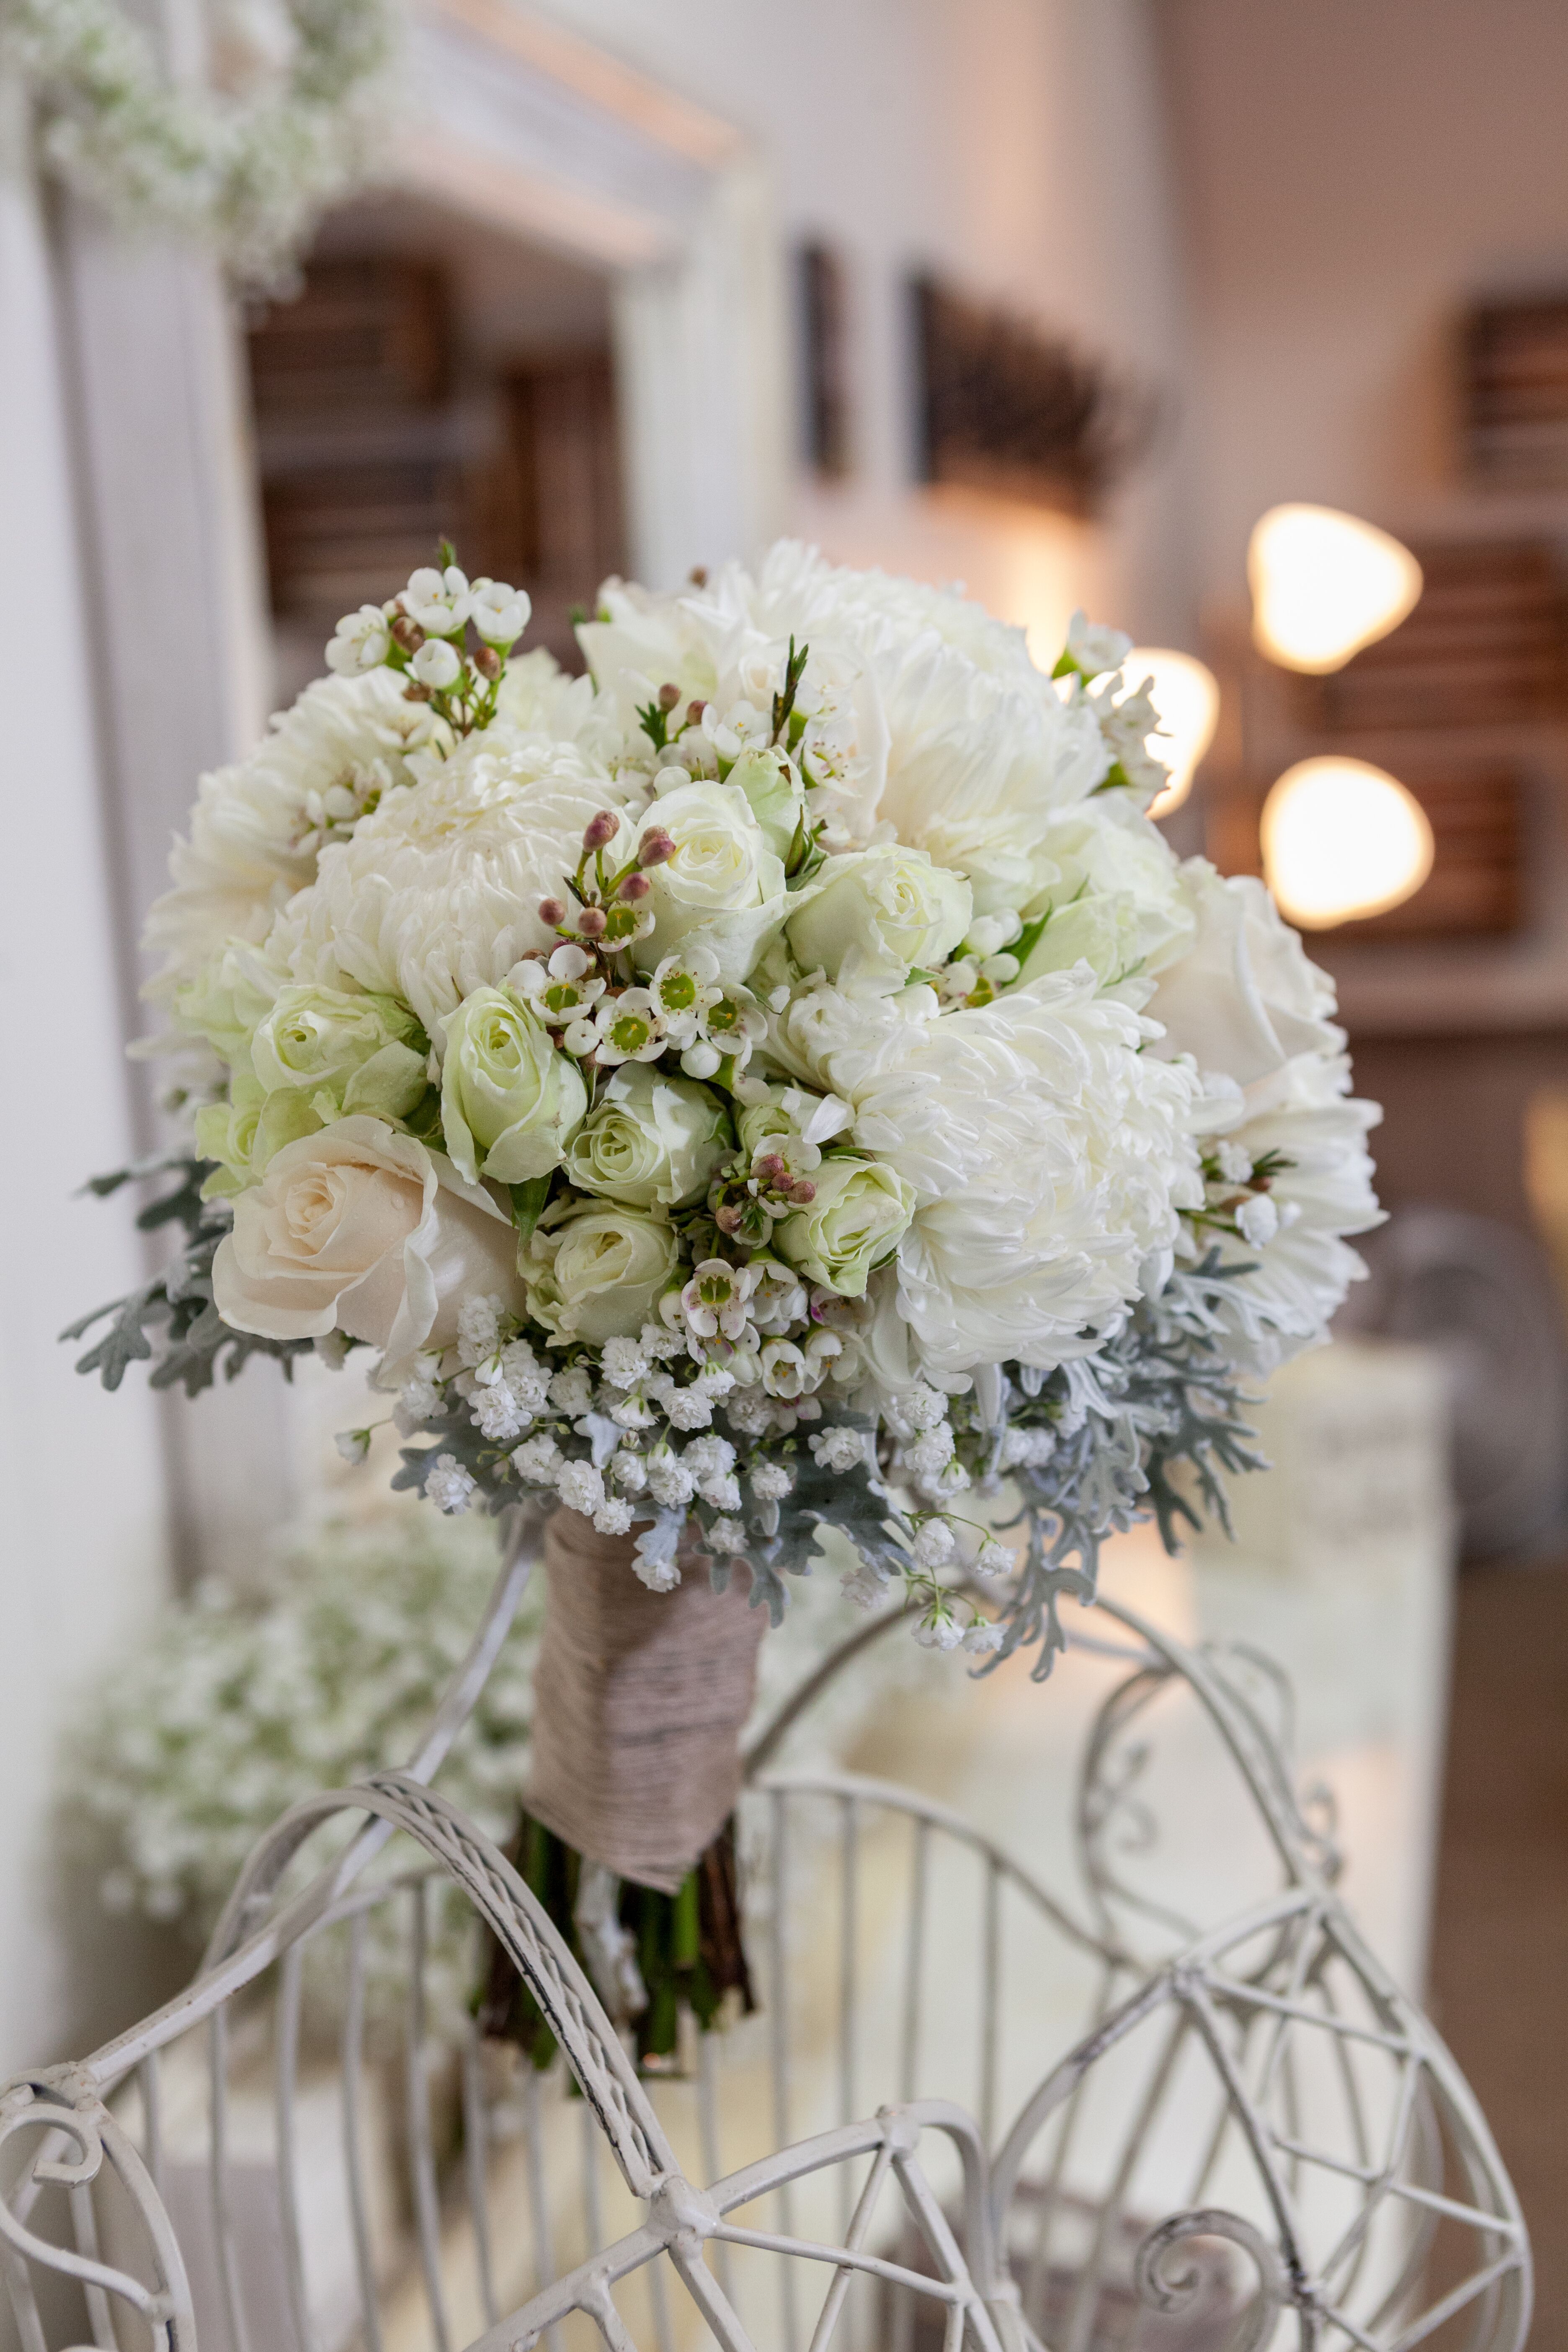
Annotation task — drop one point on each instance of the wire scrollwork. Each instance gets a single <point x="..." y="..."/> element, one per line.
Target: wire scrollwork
<point x="64" y="2110"/>
<point x="1166" y="2289"/>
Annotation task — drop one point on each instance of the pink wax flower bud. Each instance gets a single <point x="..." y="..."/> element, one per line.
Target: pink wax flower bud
<point x="636" y="886"/>
<point x="553" y="911"/>
<point x="669" y="696"/>
<point x="771" y="1167"/>
<point x="601" y="829"/>
<point x="694" y="711"/>
<point x="409" y="633"/>
<point x="728" y="1218"/>
<point x="656" y="847"/>
<point x="591" y="922"/>
<point x="803" y="1193"/>
<point x="487" y="661"/>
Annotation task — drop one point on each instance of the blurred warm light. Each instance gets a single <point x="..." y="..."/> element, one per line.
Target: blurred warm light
<point x="1186" y="697"/>
<point x="1324" y="584"/>
<point x="1341" y="839"/>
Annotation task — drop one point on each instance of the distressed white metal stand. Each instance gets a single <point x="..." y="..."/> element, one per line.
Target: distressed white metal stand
<point x="1338" y="2186"/>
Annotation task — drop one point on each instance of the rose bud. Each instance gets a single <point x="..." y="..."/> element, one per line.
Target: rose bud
<point x="669" y="696"/>
<point x="655" y="847"/>
<point x="591" y="922"/>
<point x="601" y="829"/>
<point x="636" y="886"/>
<point x="803" y="1193"/>
<point x="487" y="661"/>
<point x="552" y="911"/>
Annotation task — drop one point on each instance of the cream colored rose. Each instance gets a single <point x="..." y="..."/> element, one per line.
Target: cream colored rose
<point x="888" y="907"/>
<point x="600" y="1274"/>
<point x="510" y="1100"/>
<point x="650" y="1141"/>
<point x="723" y="884"/>
<point x="360" y="1229"/>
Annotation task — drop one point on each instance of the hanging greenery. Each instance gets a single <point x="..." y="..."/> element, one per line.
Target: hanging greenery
<point x="247" y="170"/>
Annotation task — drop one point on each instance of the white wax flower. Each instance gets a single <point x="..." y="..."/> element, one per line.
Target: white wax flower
<point x="436" y="664"/>
<point x="362" y="642"/>
<point x="437" y="602"/>
<point x="500" y="612"/>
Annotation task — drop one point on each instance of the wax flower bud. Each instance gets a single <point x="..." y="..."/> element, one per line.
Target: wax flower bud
<point x="669" y="696"/>
<point x="656" y="848"/>
<point x="552" y="911"/>
<point x="591" y="922"/>
<point x="636" y="886"/>
<point x="601" y="830"/>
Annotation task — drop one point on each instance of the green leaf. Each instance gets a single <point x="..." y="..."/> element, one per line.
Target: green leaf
<point x="528" y="1206"/>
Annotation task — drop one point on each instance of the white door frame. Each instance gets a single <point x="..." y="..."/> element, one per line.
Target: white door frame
<point x="533" y="130"/>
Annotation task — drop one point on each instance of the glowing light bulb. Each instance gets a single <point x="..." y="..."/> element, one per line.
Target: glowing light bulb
<point x="1324" y="584"/>
<point x="1187" y="698"/>
<point x="1341" y="839"/>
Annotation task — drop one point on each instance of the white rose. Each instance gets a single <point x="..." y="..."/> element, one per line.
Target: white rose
<point x="723" y="884"/>
<point x="361" y="1230"/>
<point x="861" y="1208"/>
<point x="509" y="1101"/>
<point x="889" y="904"/>
<point x="651" y="1141"/>
<point x="1245" y="1001"/>
<point x="1118" y="902"/>
<point x="600" y="1274"/>
<point x="774" y="795"/>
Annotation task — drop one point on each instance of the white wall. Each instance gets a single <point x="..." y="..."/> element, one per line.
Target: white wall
<point x="1013" y="144"/>
<point x="80" y="1471"/>
<point x="1351" y="173"/>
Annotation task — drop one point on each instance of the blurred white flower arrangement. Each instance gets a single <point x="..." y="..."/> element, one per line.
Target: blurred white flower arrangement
<point x="248" y="165"/>
<point x="240" y="1703"/>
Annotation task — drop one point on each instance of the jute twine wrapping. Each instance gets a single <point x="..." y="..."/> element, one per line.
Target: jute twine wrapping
<point x="638" y="1702"/>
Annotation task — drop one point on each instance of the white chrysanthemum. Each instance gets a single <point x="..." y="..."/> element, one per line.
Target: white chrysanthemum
<point x="1253" y="1011"/>
<point x="1323" y="1194"/>
<point x="933" y="721"/>
<point x="539" y="698"/>
<point x="1048" y="1153"/>
<point x="255" y="827"/>
<point x="437" y="894"/>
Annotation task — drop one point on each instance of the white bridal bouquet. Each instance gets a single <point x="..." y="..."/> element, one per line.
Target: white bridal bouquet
<point x="780" y="1079"/>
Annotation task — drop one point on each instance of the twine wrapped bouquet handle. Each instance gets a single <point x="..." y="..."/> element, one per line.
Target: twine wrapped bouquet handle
<point x="640" y="1699"/>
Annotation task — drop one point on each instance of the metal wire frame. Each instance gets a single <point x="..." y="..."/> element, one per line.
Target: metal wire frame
<point x="1243" y="2000"/>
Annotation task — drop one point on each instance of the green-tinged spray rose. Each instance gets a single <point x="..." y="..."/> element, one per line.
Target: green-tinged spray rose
<point x="510" y="1102"/>
<point x="344" y="1054"/>
<point x="234" y="993"/>
<point x="244" y="1134"/>
<point x="600" y="1274"/>
<point x="889" y="904"/>
<point x="719" y="883"/>
<point x="649" y="1140"/>
<point x="774" y="795"/>
<point x="861" y="1209"/>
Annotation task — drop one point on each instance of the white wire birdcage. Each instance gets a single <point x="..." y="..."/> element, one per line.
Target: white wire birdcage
<point x="1251" y="2138"/>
